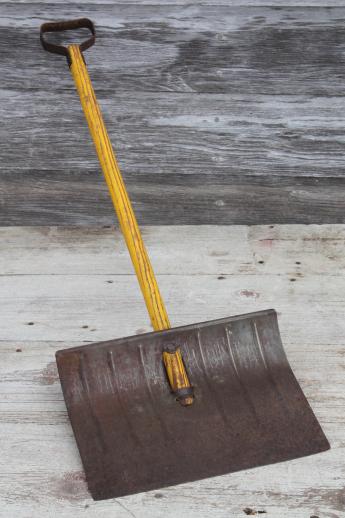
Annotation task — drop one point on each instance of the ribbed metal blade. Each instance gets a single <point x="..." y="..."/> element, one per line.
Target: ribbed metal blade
<point x="133" y="436"/>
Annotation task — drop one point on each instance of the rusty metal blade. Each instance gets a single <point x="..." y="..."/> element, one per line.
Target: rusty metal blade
<point x="132" y="435"/>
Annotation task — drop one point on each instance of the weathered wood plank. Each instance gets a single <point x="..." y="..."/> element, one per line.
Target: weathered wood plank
<point x="40" y="472"/>
<point x="190" y="48"/>
<point x="232" y="112"/>
<point x="233" y="3"/>
<point x="80" y="307"/>
<point x="178" y="134"/>
<point x="80" y="198"/>
<point x="205" y="250"/>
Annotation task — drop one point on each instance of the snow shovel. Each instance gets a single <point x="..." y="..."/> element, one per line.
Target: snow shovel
<point x="178" y="404"/>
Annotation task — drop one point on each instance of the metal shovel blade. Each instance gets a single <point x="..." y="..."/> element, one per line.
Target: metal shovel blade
<point x="133" y="436"/>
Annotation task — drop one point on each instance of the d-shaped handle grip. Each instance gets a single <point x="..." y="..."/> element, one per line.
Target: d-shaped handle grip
<point x="81" y="23"/>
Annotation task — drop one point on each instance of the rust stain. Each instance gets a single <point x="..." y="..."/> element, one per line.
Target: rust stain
<point x="333" y="498"/>
<point x="72" y="486"/>
<point x="267" y="243"/>
<point x="251" y="294"/>
<point x="48" y="375"/>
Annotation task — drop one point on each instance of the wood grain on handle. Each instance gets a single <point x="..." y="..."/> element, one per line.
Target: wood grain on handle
<point x="118" y="193"/>
<point x="124" y="211"/>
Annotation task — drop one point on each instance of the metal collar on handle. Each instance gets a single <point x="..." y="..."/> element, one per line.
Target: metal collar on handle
<point x="81" y="23"/>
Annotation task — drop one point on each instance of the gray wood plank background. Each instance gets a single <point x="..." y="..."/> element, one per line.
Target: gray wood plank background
<point x="220" y="113"/>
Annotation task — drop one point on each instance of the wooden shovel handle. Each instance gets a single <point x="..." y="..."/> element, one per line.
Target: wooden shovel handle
<point x="118" y="193"/>
<point x="173" y="360"/>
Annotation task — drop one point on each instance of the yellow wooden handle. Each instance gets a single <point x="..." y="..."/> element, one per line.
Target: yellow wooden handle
<point x="177" y="376"/>
<point x="125" y="214"/>
<point x="118" y="193"/>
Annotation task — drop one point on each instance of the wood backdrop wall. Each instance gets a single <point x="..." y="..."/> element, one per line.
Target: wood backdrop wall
<point x="220" y="112"/>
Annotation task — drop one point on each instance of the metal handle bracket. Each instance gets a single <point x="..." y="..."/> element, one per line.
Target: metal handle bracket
<point x="81" y="23"/>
